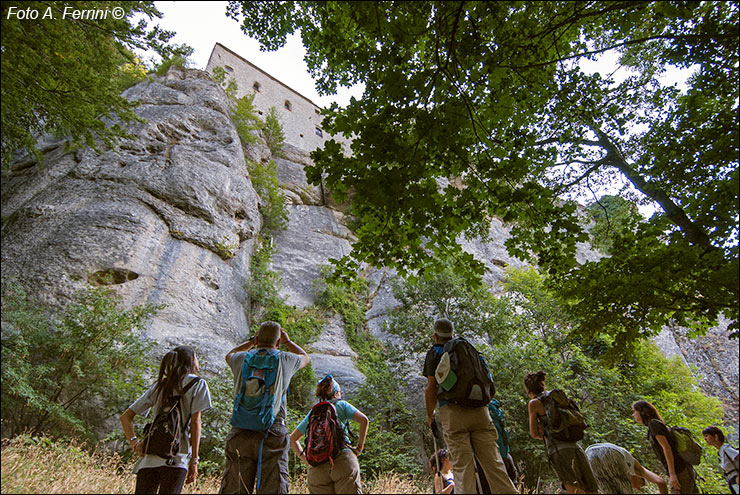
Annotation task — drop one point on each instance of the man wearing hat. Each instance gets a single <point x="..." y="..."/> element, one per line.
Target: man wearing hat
<point x="468" y="431"/>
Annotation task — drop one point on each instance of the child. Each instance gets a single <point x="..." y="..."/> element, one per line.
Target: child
<point x="443" y="479"/>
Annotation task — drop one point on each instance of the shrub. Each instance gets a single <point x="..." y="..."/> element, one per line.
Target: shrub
<point x="273" y="209"/>
<point x="273" y="133"/>
<point x="245" y="119"/>
<point x="68" y="372"/>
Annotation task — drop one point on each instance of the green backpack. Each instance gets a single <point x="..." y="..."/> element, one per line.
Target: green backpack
<point x="687" y="448"/>
<point x="566" y="423"/>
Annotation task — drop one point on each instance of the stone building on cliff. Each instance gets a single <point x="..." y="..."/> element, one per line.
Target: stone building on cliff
<point x="301" y="118"/>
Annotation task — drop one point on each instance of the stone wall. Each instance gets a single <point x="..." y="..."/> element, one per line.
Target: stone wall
<point x="301" y="118"/>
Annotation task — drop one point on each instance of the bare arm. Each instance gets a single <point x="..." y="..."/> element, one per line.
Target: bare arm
<point x="195" y="427"/>
<point x="643" y="472"/>
<point x="294" y="348"/>
<point x="535" y="409"/>
<point x="127" y="421"/>
<point x="668" y="452"/>
<point x="295" y="445"/>
<point x="240" y="348"/>
<point x="430" y="398"/>
<point x="364" y="422"/>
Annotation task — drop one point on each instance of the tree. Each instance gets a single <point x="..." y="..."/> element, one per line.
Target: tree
<point x="493" y="96"/>
<point x="61" y="72"/>
<point x="68" y="372"/>
<point x="611" y="214"/>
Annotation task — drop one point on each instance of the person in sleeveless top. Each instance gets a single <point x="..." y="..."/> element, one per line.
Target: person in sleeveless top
<point x="567" y="459"/>
<point x="154" y="474"/>
<point x="342" y="474"/>
<point x="682" y="474"/>
<point x="444" y="481"/>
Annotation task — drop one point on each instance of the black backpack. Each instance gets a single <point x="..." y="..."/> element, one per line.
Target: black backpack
<point x="566" y="423"/>
<point x="162" y="435"/>
<point x="324" y="434"/>
<point x="474" y="386"/>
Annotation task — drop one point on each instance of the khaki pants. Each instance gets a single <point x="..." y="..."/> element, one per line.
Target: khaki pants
<point x="242" y="457"/>
<point x="469" y="430"/>
<point x="342" y="477"/>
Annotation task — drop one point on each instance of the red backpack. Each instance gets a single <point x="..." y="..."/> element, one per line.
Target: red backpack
<point x="325" y="436"/>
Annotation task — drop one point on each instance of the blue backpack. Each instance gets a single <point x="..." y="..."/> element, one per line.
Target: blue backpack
<point x="255" y="403"/>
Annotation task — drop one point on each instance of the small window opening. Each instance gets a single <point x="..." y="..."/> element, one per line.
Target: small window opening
<point x="288" y="106"/>
<point x="229" y="68"/>
<point x="301" y="135"/>
<point x="319" y="133"/>
<point x="256" y="87"/>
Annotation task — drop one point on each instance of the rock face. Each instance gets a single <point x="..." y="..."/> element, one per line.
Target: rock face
<point x="716" y="361"/>
<point x="172" y="216"/>
<point x="171" y="213"/>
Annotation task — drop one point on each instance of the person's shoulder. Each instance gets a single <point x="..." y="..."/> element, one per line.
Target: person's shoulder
<point x="290" y="357"/>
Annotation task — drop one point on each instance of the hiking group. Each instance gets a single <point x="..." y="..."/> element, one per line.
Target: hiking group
<point x="459" y="392"/>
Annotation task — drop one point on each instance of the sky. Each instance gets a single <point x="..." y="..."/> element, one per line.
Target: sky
<point x="203" y="24"/>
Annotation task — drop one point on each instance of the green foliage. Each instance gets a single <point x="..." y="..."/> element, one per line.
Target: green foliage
<point x="225" y="249"/>
<point x="245" y="119"/>
<point x="66" y="373"/>
<point x="178" y="60"/>
<point x="611" y="213"/>
<point x="537" y="330"/>
<point x="64" y="76"/>
<point x="273" y="208"/>
<point x="273" y="132"/>
<point x="230" y="86"/>
<point x="439" y="104"/>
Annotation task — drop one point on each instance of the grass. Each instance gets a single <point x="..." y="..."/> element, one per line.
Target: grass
<point x="43" y="465"/>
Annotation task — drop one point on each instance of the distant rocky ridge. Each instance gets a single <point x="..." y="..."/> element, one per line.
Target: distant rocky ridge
<point x="173" y="215"/>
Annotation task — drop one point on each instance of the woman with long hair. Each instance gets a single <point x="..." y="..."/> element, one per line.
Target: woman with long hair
<point x="567" y="459"/>
<point x="682" y="474"/>
<point x="342" y="475"/>
<point x="177" y="377"/>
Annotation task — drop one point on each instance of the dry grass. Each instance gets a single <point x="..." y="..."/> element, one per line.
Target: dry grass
<point x="48" y="466"/>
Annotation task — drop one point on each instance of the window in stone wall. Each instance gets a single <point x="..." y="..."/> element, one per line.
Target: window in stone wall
<point x="319" y="133"/>
<point x="229" y="68"/>
<point x="256" y="87"/>
<point x="288" y="106"/>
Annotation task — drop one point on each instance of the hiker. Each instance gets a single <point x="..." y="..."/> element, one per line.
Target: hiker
<point x="440" y="465"/>
<point x="177" y="377"/>
<point x="338" y="471"/>
<point x="497" y="416"/>
<point x="504" y="447"/>
<point x="257" y="445"/>
<point x="682" y="474"/>
<point x="565" y="455"/>
<point x="728" y="456"/>
<point x="616" y="471"/>
<point x="467" y="428"/>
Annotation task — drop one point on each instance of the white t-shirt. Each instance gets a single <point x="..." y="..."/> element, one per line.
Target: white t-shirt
<point x="727" y="457"/>
<point x="198" y="398"/>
